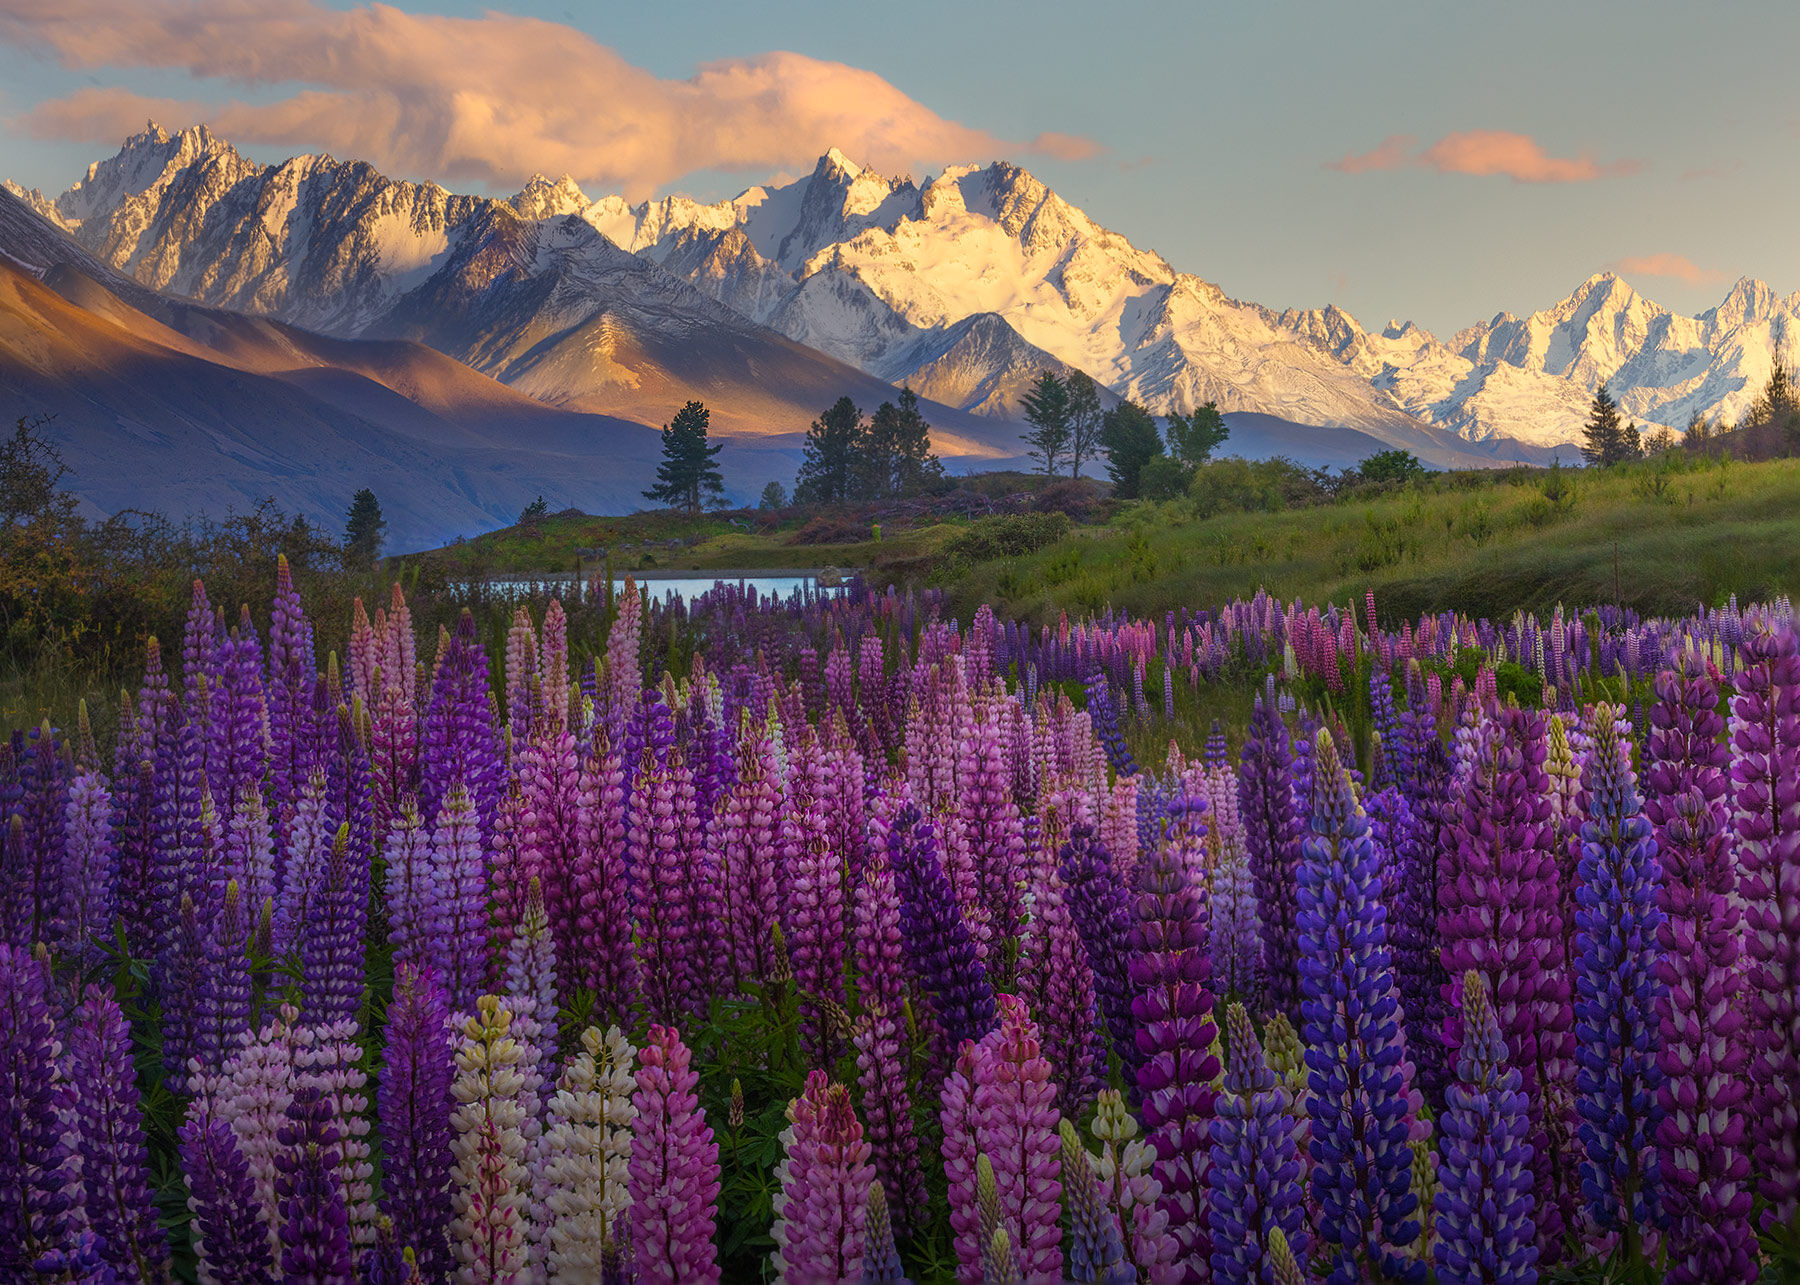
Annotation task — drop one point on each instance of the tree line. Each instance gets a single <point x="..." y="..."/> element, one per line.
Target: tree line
<point x="1068" y="428"/>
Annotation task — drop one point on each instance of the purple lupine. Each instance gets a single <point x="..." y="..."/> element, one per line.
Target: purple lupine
<point x="881" y="1070"/>
<point x="815" y="923"/>
<point x="1172" y="1010"/>
<point x="1616" y="1034"/>
<point x="1255" y="1170"/>
<point x="331" y="951"/>
<point x="115" y="1162"/>
<point x="91" y="862"/>
<point x="1413" y="916"/>
<point x="1014" y="1110"/>
<point x="938" y="943"/>
<point x="222" y="997"/>
<point x="1054" y="970"/>
<point x="825" y="1177"/>
<point x="881" y="1259"/>
<point x="417" y="911"/>
<point x="289" y="687"/>
<point x="1701" y="1143"/>
<point x="1096" y="1243"/>
<point x="660" y="893"/>
<point x="994" y="830"/>
<point x="1765" y="776"/>
<point x="231" y="1237"/>
<point x="1102" y="907"/>
<point x="747" y="842"/>
<point x="35" y="1208"/>
<point x="459" y="744"/>
<point x="550" y="782"/>
<point x="674" y="1169"/>
<point x="237" y="752"/>
<point x="605" y="962"/>
<point x="414" y="1105"/>
<point x="460" y="859"/>
<point x="1484" y="1204"/>
<point x="1272" y="827"/>
<point x="960" y="1147"/>
<point x="315" y="1228"/>
<point x="1360" y="1112"/>
<point x="1500" y="913"/>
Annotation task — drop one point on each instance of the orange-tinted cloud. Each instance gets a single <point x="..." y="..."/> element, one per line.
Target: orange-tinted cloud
<point x="1485" y="152"/>
<point x="1677" y="267"/>
<point x="490" y="99"/>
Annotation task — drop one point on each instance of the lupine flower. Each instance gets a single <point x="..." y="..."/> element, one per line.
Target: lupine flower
<point x="606" y="963"/>
<point x="230" y="1230"/>
<point x="1765" y="777"/>
<point x="315" y="1233"/>
<point x="938" y="942"/>
<point x="414" y="1104"/>
<point x="1175" y="1033"/>
<point x="588" y="1151"/>
<point x="1617" y="1040"/>
<point x="881" y="1072"/>
<point x="1361" y="1116"/>
<point x="1271" y="816"/>
<point x="1102" y="909"/>
<point x="1255" y="1173"/>
<point x="1096" y="1247"/>
<point x="331" y="949"/>
<point x="490" y="1182"/>
<point x="1484" y="1204"/>
<point x="36" y="1215"/>
<point x="674" y="1170"/>
<point x="460" y="860"/>
<point x="1054" y="970"/>
<point x="825" y="1176"/>
<point x="1701" y="1142"/>
<point x="881" y="1260"/>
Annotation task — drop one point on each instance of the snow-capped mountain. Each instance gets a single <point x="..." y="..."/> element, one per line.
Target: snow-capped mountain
<point x="964" y="286"/>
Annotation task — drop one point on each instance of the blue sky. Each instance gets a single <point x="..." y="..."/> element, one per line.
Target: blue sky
<point x="1206" y="132"/>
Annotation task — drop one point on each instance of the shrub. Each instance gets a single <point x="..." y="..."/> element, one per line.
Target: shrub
<point x="1009" y="535"/>
<point x="1078" y="497"/>
<point x="1163" y="477"/>
<point x="1237" y="485"/>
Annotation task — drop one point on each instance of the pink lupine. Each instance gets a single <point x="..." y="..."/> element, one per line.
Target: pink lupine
<point x="821" y="1209"/>
<point x="674" y="1170"/>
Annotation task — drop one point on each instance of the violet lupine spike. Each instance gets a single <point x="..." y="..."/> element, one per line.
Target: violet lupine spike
<point x="1105" y="718"/>
<point x="995" y="833"/>
<point x="1484" y="1204"/>
<point x="1255" y="1171"/>
<point x="938" y="943"/>
<point x="1096" y="1247"/>
<point x="35" y="1209"/>
<point x="459" y="744"/>
<point x="413" y="1100"/>
<point x="289" y="692"/>
<point x="1500" y="912"/>
<point x="815" y="923"/>
<point x="315" y="1229"/>
<point x="674" y="1170"/>
<point x="1413" y="918"/>
<point x="115" y="1162"/>
<point x="1172" y="1009"/>
<point x="1617" y="991"/>
<point x="747" y="839"/>
<point x="1702" y="1142"/>
<point x="460" y="858"/>
<point x="1272" y="827"/>
<point x="605" y="963"/>
<point x="660" y="894"/>
<point x="550" y="777"/>
<point x="91" y="864"/>
<point x="881" y="1260"/>
<point x="238" y="752"/>
<point x="1360" y="1112"/>
<point x="223" y="996"/>
<point x="881" y="1069"/>
<point x="331" y="951"/>
<point x="230" y="1234"/>
<point x="1765" y="776"/>
<point x="825" y="1175"/>
<point x="417" y="917"/>
<point x="1054" y="969"/>
<point x="1102" y="908"/>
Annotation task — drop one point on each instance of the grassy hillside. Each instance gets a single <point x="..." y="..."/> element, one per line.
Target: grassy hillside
<point x="1661" y="537"/>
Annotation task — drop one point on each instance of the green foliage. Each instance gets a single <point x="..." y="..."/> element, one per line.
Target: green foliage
<point x="362" y="530"/>
<point x="828" y="469"/>
<point x="1164" y="477"/>
<point x="1129" y="435"/>
<point x="1242" y="486"/>
<point x="1047" y="410"/>
<point x="1085" y="419"/>
<point x="1008" y="535"/>
<point x="895" y="458"/>
<point x="774" y="496"/>
<point x="1392" y="467"/>
<point x="1606" y="440"/>
<point x="534" y="512"/>
<point x="688" y="476"/>
<point x="1194" y="437"/>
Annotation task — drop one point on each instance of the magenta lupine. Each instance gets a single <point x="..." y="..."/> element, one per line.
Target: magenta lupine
<point x="315" y="1230"/>
<point x="674" y="1171"/>
<point x="815" y="926"/>
<point x="604" y="962"/>
<point x="1255" y="1171"/>
<point x="821" y="1208"/>
<point x="1272" y="828"/>
<point x="230" y="1231"/>
<point x="960" y="1147"/>
<point x="115" y="1163"/>
<point x="413" y="1100"/>
<point x="1358" y="1102"/>
<point x="1172" y="1009"/>
<point x="550" y="839"/>
<point x="1701" y="1142"/>
<point x="462" y="872"/>
<point x="1486" y="1235"/>
<point x="1055" y="974"/>
<point x="993" y="831"/>
<point x="747" y="843"/>
<point x="1500" y="913"/>
<point x="1617" y="1040"/>
<point x="881" y="1071"/>
<point x="660" y="894"/>
<point x="1765" y="776"/>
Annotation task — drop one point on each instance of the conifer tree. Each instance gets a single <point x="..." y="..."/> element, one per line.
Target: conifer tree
<point x="896" y="458"/>
<point x="1604" y="440"/>
<point x="1047" y="411"/>
<point x="834" y="446"/>
<point x="1085" y="419"/>
<point x="688" y="475"/>
<point x="1129" y="435"/>
<point x="362" y="530"/>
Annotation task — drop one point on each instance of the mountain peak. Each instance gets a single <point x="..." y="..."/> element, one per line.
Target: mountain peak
<point x="835" y="162"/>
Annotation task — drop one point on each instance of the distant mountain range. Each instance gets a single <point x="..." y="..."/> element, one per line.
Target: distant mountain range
<point x="578" y="321"/>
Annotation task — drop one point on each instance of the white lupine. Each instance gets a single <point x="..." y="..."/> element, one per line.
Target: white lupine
<point x="490" y="1184"/>
<point x="588" y="1148"/>
<point x="325" y="1057"/>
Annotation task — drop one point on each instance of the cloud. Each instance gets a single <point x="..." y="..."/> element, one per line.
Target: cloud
<point x="1678" y="267"/>
<point x="1484" y="152"/>
<point x="490" y="99"/>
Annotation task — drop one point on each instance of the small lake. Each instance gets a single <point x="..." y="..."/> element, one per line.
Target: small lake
<point x="685" y="585"/>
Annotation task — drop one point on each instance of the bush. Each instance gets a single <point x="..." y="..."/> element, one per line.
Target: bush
<point x="1163" y="477"/>
<point x="1010" y="535"/>
<point x="1250" y="486"/>
<point x="832" y="528"/>
<point x="1078" y="497"/>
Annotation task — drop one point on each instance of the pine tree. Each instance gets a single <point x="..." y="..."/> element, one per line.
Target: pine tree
<point x="1129" y="435"/>
<point x="1604" y="437"/>
<point x="1047" y="411"/>
<point x="1779" y="404"/>
<point x="688" y="475"/>
<point x="362" y="530"/>
<point x="774" y="496"/>
<point x="1085" y="419"/>
<point x="1194" y="437"/>
<point x="896" y="458"/>
<point x="834" y="447"/>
